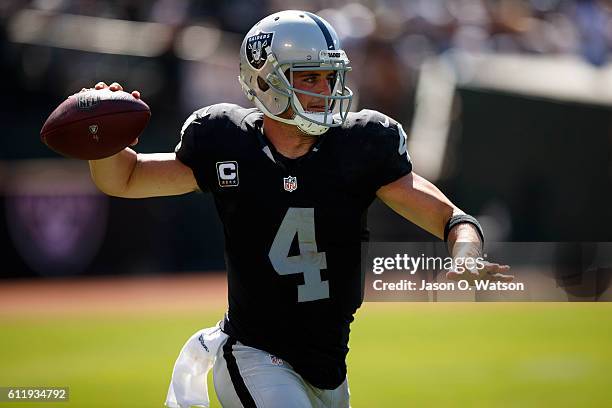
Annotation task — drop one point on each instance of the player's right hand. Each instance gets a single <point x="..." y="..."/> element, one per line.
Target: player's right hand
<point x="115" y="86"/>
<point x="489" y="271"/>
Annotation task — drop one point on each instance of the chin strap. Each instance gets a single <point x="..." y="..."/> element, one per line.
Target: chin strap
<point x="309" y="127"/>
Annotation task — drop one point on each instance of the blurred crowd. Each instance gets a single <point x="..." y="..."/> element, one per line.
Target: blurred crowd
<point x="193" y="60"/>
<point x="540" y="26"/>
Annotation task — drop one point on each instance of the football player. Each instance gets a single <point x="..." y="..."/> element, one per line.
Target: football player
<point x="292" y="180"/>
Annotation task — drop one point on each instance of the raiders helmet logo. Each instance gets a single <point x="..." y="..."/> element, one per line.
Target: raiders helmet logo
<point x="256" y="49"/>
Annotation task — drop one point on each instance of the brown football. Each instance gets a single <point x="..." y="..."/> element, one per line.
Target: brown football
<point x="95" y="124"/>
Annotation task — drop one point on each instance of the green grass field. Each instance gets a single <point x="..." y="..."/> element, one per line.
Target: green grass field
<point x="402" y="355"/>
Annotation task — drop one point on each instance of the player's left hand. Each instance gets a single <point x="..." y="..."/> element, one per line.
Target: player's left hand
<point x="489" y="271"/>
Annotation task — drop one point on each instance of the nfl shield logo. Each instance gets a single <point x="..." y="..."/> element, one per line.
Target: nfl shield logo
<point x="87" y="100"/>
<point x="276" y="361"/>
<point x="290" y="183"/>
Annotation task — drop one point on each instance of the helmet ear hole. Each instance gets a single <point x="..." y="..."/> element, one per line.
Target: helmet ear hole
<point x="262" y="84"/>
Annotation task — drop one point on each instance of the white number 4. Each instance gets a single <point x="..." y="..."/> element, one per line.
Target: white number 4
<point x="309" y="262"/>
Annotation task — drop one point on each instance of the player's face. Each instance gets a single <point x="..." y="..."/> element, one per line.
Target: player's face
<point x="319" y="82"/>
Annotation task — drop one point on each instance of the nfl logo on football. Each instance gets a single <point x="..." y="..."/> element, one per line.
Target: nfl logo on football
<point x="87" y="100"/>
<point x="290" y="183"/>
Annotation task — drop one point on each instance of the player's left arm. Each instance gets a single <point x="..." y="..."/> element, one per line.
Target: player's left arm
<point x="422" y="203"/>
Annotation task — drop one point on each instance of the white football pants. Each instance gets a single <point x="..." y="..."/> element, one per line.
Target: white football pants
<point x="250" y="378"/>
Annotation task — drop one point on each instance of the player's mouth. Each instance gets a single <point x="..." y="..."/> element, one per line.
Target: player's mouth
<point x="316" y="108"/>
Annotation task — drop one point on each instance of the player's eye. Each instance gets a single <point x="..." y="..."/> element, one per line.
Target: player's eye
<point x="309" y="80"/>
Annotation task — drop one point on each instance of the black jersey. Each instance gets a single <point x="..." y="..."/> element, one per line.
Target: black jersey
<point x="293" y="228"/>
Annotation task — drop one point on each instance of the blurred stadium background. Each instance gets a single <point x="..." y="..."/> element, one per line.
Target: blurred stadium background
<point x="509" y="104"/>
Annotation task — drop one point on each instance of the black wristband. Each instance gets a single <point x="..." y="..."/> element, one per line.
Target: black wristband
<point x="461" y="219"/>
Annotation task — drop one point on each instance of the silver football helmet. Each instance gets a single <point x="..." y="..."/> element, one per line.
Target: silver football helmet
<point x="284" y="43"/>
